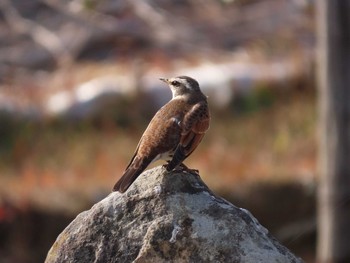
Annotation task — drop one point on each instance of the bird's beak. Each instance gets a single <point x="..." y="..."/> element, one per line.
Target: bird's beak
<point x="164" y="80"/>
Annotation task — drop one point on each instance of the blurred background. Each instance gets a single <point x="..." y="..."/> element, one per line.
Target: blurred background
<point x="79" y="84"/>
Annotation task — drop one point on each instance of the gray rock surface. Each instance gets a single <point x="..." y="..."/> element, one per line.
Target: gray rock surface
<point x="167" y="217"/>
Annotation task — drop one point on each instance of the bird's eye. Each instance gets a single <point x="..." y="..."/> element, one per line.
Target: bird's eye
<point x="175" y="83"/>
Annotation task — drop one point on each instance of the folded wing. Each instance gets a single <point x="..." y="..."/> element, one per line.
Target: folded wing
<point x="195" y="124"/>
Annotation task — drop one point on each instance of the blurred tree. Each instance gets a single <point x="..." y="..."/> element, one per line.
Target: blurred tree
<point x="39" y="33"/>
<point x="333" y="22"/>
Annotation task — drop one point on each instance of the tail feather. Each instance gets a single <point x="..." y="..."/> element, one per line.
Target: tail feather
<point x="126" y="180"/>
<point x="130" y="174"/>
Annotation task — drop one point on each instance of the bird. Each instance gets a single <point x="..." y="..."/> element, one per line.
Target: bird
<point x="173" y="133"/>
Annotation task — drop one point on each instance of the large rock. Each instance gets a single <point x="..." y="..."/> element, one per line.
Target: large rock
<point x="167" y="217"/>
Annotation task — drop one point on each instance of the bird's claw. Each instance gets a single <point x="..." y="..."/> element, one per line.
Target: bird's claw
<point x="183" y="168"/>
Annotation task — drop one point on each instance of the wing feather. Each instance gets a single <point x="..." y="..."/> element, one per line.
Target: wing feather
<point x="194" y="126"/>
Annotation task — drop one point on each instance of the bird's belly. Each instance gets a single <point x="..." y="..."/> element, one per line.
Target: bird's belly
<point x="164" y="156"/>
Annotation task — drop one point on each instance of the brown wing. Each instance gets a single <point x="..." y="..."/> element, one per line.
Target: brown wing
<point x="195" y="124"/>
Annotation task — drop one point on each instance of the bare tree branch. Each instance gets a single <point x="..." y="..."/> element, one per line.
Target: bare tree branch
<point x="40" y="35"/>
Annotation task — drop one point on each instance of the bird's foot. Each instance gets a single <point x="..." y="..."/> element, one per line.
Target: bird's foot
<point x="183" y="167"/>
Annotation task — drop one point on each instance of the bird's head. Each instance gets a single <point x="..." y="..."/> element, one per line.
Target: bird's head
<point x="182" y="85"/>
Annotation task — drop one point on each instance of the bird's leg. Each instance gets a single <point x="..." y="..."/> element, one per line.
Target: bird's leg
<point x="165" y="166"/>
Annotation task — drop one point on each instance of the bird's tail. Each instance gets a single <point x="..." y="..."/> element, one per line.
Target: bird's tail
<point x="131" y="173"/>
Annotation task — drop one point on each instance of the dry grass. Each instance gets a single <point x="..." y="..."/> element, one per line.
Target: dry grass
<point x="276" y="143"/>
